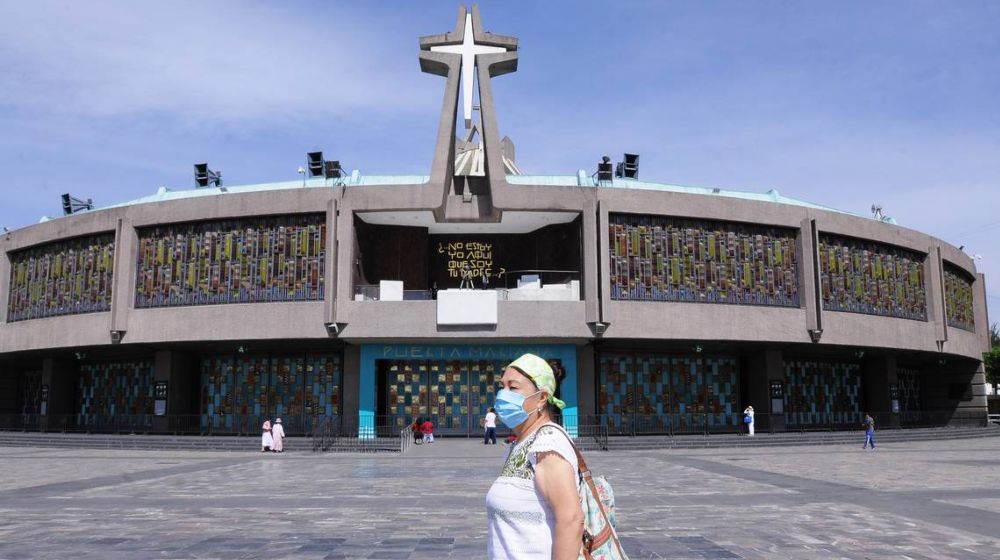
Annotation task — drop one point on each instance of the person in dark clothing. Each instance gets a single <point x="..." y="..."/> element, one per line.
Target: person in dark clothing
<point x="416" y="428"/>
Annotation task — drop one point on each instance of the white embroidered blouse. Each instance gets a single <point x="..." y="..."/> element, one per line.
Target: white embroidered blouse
<point x="520" y="522"/>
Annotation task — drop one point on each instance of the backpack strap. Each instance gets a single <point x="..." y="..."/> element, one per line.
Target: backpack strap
<point x="591" y="542"/>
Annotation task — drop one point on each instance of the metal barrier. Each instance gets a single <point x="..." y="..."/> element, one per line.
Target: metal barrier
<point x="405" y="439"/>
<point x="592" y="437"/>
<point x="381" y="432"/>
<point x="636" y="425"/>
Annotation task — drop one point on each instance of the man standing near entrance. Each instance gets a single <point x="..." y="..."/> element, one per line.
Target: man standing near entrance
<point x="490" y="424"/>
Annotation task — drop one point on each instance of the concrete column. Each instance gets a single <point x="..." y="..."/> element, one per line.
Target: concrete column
<point x="330" y="266"/>
<point x="979" y="400"/>
<point x="179" y="370"/>
<point x="955" y="389"/>
<point x="586" y="379"/>
<point x="762" y="368"/>
<point x="590" y="277"/>
<point x="345" y="265"/>
<point x="4" y="280"/>
<point x="879" y="374"/>
<point x="123" y="292"/>
<point x="981" y="313"/>
<point x="934" y="282"/>
<point x="809" y="278"/>
<point x="60" y="376"/>
<point x="604" y="256"/>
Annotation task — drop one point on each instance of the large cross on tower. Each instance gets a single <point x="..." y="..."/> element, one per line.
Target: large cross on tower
<point x="459" y="56"/>
<point x="468" y="49"/>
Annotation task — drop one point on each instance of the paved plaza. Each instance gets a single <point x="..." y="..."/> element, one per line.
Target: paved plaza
<point x="915" y="500"/>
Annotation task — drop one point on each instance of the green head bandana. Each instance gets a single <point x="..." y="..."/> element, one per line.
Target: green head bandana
<point x="541" y="373"/>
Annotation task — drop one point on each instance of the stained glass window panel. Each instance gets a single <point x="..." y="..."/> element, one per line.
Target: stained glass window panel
<point x="62" y="278"/>
<point x="866" y="277"/>
<point x="958" y="299"/>
<point x="661" y="258"/>
<point x="261" y="259"/>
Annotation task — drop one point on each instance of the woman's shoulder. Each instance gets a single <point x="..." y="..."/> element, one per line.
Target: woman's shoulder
<point x="552" y="437"/>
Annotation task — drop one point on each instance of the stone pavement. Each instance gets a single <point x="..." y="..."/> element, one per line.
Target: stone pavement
<point x="925" y="500"/>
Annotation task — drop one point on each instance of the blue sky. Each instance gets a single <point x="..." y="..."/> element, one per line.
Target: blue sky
<point x="841" y="103"/>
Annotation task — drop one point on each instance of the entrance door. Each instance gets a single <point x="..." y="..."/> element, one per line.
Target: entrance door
<point x="453" y="394"/>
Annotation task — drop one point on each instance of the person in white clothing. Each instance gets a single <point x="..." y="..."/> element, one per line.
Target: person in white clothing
<point x="748" y="414"/>
<point x="278" y="437"/>
<point x="265" y="437"/>
<point x="490" y="425"/>
<point x="533" y="508"/>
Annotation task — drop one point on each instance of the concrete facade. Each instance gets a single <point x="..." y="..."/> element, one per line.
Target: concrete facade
<point x="596" y="322"/>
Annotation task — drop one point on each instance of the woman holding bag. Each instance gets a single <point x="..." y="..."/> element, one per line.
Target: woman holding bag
<point x="533" y="507"/>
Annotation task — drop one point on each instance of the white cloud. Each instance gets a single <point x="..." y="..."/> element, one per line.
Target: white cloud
<point x="218" y="61"/>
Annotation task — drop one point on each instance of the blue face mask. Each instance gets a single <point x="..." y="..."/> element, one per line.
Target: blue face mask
<point x="510" y="407"/>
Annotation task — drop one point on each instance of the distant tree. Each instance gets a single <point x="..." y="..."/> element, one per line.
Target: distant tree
<point x="991" y="359"/>
<point x="991" y="362"/>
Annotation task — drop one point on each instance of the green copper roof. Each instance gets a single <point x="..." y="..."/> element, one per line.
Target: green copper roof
<point x="583" y="180"/>
<point x="355" y="180"/>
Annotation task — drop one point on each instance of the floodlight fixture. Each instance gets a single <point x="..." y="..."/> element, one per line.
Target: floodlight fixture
<point x="319" y="167"/>
<point x="333" y="170"/>
<point x="599" y="327"/>
<point x="604" y="170"/>
<point x="815" y="335"/>
<point x="314" y="161"/>
<point x="628" y="168"/>
<point x="72" y="205"/>
<point x="203" y="176"/>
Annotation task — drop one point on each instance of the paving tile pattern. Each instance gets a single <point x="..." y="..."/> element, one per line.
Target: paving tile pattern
<point x="918" y="500"/>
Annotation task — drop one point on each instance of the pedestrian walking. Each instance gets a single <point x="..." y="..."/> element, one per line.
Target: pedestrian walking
<point x="278" y="436"/>
<point x="533" y="508"/>
<point x="265" y="438"/>
<point x="490" y="424"/>
<point x="427" y="428"/>
<point x="748" y="419"/>
<point x="869" y="425"/>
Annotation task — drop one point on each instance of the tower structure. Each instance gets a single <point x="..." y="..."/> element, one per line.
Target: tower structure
<point x="468" y="57"/>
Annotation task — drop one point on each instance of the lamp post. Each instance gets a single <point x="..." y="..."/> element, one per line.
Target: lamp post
<point x="302" y="171"/>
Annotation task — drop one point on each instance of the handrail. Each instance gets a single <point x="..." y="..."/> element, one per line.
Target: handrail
<point x="343" y="432"/>
<point x="405" y="439"/>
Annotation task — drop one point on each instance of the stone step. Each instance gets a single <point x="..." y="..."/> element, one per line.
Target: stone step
<point x="766" y="440"/>
<point x="179" y="443"/>
<point x="234" y="443"/>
